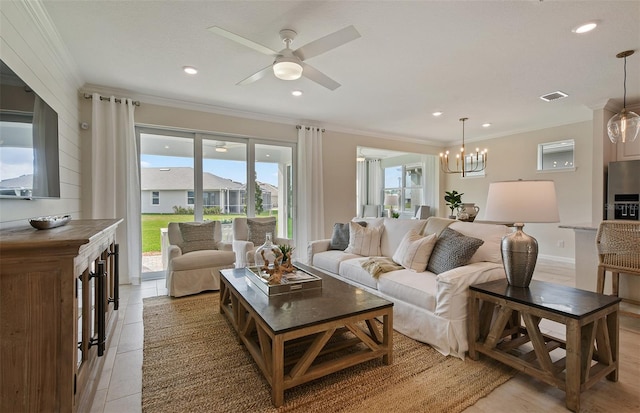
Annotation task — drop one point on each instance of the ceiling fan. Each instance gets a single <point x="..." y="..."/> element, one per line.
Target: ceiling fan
<point x="289" y="64"/>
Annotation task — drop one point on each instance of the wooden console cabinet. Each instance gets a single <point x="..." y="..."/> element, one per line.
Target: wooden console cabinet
<point x="58" y="293"/>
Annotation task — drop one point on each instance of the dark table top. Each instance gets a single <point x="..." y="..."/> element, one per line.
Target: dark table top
<point x="559" y="299"/>
<point x="336" y="299"/>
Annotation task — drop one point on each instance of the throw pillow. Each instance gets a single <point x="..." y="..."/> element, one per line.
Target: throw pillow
<point x="364" y="241"/>
<point x="452" y="250"/>
<point x="414" y="251"/>
<point x="197" y="236"/>
<point x="258" y="231"/>
<point x="340" y="236"/>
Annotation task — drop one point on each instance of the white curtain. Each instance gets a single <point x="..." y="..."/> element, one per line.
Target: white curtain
<point x="431" y="188"/>
<point x="309" y="192"/>
<point x="115" y="178"/>
<point x="361" y="186"/>
<point x="375" y="182"/>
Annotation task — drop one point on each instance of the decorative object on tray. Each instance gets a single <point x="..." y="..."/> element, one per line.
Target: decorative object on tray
<point x="468" y="211"/>
<point x="286" y="250"/>
<point x="51" y="221"/>
<point x="281" y="280"/>
<point x="267" y="251"/>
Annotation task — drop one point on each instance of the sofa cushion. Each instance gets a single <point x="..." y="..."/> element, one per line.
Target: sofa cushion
<point x="414" y="251"/>
<point x="330" y="260"/>
<point x="435" y="225"/>
<point x="352" y="270"/>
<point x="364" y="241"/>
<point x="491" y="234"/>
<point x="452" y="250"/>
<point x="257" y="230"/>
<point x="417" y="288"/>
<point x="340" y="235"/>
<point x="395" y="230"/>
<point x="197" y="236"/>
<point x="203" y="259"/>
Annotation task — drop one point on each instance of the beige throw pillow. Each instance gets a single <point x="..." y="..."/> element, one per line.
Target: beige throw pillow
<point x="364" y="241"/>
<point x="198" y="236"/>
<point x="257" y="231"/>
<point x="414" y="251"/>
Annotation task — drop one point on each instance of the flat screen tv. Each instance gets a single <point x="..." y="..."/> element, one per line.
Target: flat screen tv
<point x="29" y="158"/>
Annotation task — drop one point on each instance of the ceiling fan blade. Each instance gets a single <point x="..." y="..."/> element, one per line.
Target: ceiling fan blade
<point x="256" y="76"/>
<point x="320" y="78"/>
<point x="326" y="43"/>
<point x="243" y="41"/>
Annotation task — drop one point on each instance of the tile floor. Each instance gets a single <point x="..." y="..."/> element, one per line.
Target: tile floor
<point x="120" y="386"/>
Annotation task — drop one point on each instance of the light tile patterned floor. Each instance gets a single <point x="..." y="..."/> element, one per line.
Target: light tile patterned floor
<point x="120" y="386"/>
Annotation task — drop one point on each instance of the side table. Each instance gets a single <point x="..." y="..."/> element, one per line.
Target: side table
<point x="496" y="313"/>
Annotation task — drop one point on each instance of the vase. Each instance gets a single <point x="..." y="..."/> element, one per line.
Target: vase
<point x="468" y="212"/>
<point x="271" y="253"/>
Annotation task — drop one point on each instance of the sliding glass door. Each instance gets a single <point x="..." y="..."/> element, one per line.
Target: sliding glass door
<point x="195" y="177"/>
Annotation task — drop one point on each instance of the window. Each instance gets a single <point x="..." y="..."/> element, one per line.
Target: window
<point x="405" y="181"/>
<point x="554" y="156"/>
<point x="190" y="197"/>
<point x="155" y="198"/>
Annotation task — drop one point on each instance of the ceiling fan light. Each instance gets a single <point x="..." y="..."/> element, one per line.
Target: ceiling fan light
<point x="287" y="69"/>
<point x="623" y="127"/>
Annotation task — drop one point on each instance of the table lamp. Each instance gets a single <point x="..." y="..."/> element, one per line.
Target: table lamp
<point x="391" y="200"/>
<point x="519" y="202"/>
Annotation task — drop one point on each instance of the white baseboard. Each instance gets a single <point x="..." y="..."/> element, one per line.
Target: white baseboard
<point x="565" y="260"/>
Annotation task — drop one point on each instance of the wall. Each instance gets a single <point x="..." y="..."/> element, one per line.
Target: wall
<point x="32" y="53"/>
<point x="515" y="157"/>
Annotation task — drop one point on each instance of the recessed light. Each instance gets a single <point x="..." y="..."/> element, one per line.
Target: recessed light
<point x="584" y="28"/>
<point x="190" y="70"/>
<point x="166" y="146"/>
<point x="486" y="125"/>
<point x="437" y="113"/>
<point x="297" y="93"/>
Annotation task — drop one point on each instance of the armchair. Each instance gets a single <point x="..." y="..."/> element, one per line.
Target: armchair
<point x="195" y="257"/>
<point x="249" y="234"/>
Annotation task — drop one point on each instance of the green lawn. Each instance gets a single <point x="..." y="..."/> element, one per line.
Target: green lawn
<point x="151" y="224"/>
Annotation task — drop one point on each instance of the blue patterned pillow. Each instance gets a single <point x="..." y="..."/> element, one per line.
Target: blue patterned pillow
<point x="452" y="250"/>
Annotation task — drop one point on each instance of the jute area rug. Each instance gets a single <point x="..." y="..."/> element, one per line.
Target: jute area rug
<point x="193" y="362"/>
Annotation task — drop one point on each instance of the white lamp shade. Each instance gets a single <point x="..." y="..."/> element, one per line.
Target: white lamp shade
<point x="287" y="69"/>
<point x="391" y="199"/>
<point x="522" y="201"/>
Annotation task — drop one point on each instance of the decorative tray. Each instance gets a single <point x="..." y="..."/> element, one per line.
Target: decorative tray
<point x="295" y="281"/>
<point x="51" y="221"/>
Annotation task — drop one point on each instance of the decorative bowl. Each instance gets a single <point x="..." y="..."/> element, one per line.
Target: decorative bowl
<point x="51" y="221"/>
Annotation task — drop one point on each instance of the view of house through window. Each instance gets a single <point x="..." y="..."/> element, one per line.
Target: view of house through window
<point x="194" y="177"/>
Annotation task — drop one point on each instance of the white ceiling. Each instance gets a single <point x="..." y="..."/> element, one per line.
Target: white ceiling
<point x="485" y="60"/>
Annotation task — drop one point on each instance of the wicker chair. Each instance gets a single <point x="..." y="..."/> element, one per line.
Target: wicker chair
<point x="618" y="244"/>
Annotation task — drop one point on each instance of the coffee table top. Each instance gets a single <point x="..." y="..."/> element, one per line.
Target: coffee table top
<point x="284" y="312"/>
<point x="560" y="299"/>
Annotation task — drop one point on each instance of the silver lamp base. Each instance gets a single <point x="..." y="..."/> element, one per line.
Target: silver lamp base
<point x="519" y="255"/>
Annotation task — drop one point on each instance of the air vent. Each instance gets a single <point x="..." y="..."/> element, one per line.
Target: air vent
<point x="553" y="96"/>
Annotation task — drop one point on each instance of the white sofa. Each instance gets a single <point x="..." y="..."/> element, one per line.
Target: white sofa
<point x="427" y="307"/>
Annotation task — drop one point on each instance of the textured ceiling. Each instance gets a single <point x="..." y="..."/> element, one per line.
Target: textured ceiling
<point x="485" y="60"/>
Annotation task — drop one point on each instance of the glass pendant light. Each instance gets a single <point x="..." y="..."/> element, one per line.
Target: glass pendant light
<point x="624" y="126"/>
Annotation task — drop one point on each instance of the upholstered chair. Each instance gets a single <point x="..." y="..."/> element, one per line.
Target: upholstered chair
<point x="249" y="234"/>
<point x="196" y="256"/>
<point x="371" y="211"/>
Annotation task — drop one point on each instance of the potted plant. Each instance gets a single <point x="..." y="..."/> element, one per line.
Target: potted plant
<point x="454" y="200"/>
<point x="285" y="249"/>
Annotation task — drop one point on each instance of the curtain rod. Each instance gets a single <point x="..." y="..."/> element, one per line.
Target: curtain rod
<point x="309" y="128"/>
<point x="118" y="100"/>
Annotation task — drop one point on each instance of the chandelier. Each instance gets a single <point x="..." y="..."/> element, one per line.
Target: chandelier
<point x="624" y="126"/>
<point x="465" y="163"/>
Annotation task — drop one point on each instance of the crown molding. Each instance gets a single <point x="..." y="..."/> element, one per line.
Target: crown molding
<point x="55" y="46"/>
<point x="243" y="114"/>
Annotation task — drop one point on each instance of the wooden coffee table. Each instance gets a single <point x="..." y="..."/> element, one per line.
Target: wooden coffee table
<point x="591" y="320"/>
<point x="309" y="321"/>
